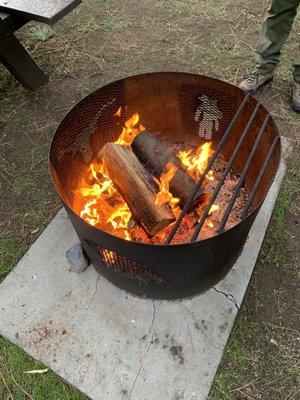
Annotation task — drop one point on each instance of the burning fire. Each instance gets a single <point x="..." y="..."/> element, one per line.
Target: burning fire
<point x="213" y="209"/>
<point x="130" y="130"/>
<point x="120" y="218"/>
<point x="196" y="163"/>
<point x="164" y="195"/>
<point x="102" y="203"/>
<point x="99" y="202"/>
<point x="89" y="213"/>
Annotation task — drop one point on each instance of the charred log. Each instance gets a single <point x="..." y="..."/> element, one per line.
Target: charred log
<point x="155" y="154"/>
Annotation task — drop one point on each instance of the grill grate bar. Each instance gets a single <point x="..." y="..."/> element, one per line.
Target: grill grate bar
<point x="207" y="169"/>
<point x="243" y="175"/>
<point x="260" y="176"/>
<point x="222" y="180"/>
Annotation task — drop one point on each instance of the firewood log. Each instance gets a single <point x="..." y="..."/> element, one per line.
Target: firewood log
<point x="155" y="154"/>
<point x="136" y="186"/>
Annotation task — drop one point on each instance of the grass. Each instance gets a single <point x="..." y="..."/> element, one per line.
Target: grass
<point x="242" y="323"/>
<point x="6" y="105"/>
<point x="10" y="253"/>
<point x="261" y="357"/>
<point x="177" y="51"/>
<point x="247" y="372"/>
<point x="42" y="32"/>
<point x="275" y="250"/>
<point x="7" y="83"/>
<point x="112" y="22"/>
<point x="100" y="42"/>
<point x="223" y="385"/>
<point x="211" y="9"/>
<point x="237" y="352"/>
<point x="226" y="47"/>
<point x="15" y="384"/>
<point x="208" y="9"/>
<point x="22" y="175"/>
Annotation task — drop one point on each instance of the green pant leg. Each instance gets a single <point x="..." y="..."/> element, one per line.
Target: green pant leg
<point x="276" y="29"/>
<point x="297" y="67"/>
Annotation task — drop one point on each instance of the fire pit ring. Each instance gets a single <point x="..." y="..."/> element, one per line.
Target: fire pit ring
<point x="176" y="104"/>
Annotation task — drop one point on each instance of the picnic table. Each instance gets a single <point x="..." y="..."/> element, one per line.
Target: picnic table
<point x="13" y="15"/>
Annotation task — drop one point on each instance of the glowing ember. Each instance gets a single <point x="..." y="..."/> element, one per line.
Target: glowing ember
<point x="197" y="162"/>
<point x="213" y="208"/>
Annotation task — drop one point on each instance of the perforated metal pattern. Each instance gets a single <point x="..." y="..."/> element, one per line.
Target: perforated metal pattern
<point x="184" y="108"/>
<point x="127" y="267"/>
<point x="205" y="111"/>
<point x="130" y="268"/>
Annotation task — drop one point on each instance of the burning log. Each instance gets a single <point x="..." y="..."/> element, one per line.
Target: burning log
<point x="136" y="186"/>
<point x="155" y="154"/>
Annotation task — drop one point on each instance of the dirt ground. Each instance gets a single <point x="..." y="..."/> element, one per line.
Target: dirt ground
<point x="105" y="40"/>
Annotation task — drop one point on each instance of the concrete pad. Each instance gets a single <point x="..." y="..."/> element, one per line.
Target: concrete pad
<point x="110" y="344"/>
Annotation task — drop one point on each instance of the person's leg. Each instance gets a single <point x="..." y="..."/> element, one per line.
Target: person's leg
<point x="276" y="29"/>
<point x="296" y="73"/>
<point x="296" y="83"/>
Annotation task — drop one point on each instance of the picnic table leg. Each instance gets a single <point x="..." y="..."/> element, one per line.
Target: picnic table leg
<point x="18" y="61"/>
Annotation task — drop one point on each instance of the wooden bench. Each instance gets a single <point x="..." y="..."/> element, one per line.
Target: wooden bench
<point x="13" y="15"/>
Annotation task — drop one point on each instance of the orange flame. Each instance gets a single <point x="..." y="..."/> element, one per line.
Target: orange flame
<point x="119" y="112"/>
<point x="120" y="217"/>
<point x="213" y="208"/>
<point x="102" y="205"/>
<point x="164" y="195"/>
<point x="102" y="202"/>
<point x="130" y="130"/>
<point x="89" y="213"/>
<point x="196" y="162"/>
<point x="98" y="209"/>
<point x="103" y="188"/>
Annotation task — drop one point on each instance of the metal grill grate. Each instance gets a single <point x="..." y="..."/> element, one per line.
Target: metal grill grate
<point x="241" y="180"/>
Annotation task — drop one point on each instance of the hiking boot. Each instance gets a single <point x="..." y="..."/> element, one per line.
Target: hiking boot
<point x="254" y="81"/>
<point x="296" y="96"/>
